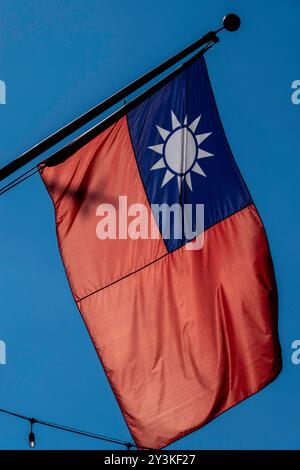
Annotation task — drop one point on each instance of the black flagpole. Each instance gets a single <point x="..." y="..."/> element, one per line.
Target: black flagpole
<point x="231" y="22"/>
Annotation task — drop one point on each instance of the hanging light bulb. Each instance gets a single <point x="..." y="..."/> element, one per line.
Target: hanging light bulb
<point x="31" y="434"/>
<point x="31" y="440"/>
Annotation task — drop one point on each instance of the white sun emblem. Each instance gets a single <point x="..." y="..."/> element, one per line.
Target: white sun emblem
<point x="180" y="151"/>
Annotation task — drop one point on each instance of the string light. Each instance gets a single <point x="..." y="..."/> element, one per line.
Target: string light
<point x="32" y="439"/>
<point x="31" y="434"/>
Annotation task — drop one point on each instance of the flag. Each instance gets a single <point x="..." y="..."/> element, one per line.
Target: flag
<point x="183" y="319"/>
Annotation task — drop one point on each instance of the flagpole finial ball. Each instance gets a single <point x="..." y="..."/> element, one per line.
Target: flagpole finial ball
<point x="231" y="22"/>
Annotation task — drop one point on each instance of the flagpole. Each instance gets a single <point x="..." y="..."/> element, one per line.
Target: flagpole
<point x="231" y="22"/>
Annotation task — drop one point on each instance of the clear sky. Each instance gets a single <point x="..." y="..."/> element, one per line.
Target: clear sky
<point x="58" y="59"/>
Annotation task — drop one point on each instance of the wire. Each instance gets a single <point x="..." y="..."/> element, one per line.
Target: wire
<point x="17" y="415"/>
<point x="15" y="182"/>
<point x="128" y="445"/>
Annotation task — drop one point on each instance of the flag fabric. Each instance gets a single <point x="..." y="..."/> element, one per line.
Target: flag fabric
<point x="183" y="334"/>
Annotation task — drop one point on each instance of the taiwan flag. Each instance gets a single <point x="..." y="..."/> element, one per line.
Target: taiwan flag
<point x="168" y="260"/>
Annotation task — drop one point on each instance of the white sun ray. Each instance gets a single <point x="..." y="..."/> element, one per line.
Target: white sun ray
<point x="201" y="137"/>
<point x="197" y="169"/>
<point x="159" y="164"/>
<point x="168" y="176"/>
<point x="175" y="122"/>
<point x="163" y="132"/>
<point x="185" y="121"/>
<point x="157" y="148"/>
<point x="188" y="180"/>
<point x="194" y="124"/>
<point x="204" y="154"/>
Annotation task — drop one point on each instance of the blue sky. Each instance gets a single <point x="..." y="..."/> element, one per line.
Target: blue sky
<point x="58" y="59"/>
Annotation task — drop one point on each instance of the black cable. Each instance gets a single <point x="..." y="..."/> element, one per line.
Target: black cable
<point x="85" y="433"/>
<point x="14" y="414"/>
<point x="15" y="182"/>
<point x="100" y="437"/>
